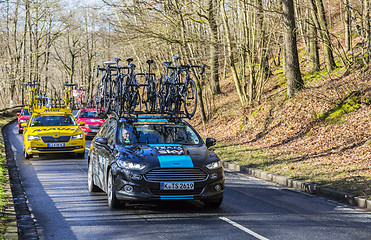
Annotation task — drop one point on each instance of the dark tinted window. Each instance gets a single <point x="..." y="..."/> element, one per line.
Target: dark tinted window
<point x="89" y="114"/>
<point x="111" y="133"/>
<point x="157" y="134"/>
<point x="104" y="128"/>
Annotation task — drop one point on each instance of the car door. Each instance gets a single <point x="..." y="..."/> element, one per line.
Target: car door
<point x="107" y="151"/>
<point x="97" y="157"/>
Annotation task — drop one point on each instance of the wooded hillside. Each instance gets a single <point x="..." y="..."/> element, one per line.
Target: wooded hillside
<point x="287" y="80"/>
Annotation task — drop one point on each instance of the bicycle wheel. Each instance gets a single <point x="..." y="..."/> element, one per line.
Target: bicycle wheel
<point x="99" y="103"/>
<point x="190" y="99"/>
<point x="107" y="95"/>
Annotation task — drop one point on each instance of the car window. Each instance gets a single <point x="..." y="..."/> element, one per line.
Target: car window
<point x="26" y="112"/>
<point x="90" y="114"/>
<point x="111" y="133"/>
<point x="103" y="129"/>
<point x="157" y="134"/>
<point x="53" y="120"/>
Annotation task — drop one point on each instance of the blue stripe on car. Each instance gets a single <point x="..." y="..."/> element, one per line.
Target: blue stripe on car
<point x="152" y="120"/>
<point x="177" y="197"/>
<point x="175" y="161"/>
<point x="164" y="145"/>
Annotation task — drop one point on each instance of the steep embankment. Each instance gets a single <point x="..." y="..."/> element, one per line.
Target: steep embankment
<point x="322" y="135"/>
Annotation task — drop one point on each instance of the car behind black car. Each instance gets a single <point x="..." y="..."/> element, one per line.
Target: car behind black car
<point x="154" y="158"/>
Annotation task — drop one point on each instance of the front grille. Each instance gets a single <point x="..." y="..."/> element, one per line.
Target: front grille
<point x="91" y="126"/>
<point x="176" y="174"/>
<point x="50" y="139"/>
<point x="46" y="149"/>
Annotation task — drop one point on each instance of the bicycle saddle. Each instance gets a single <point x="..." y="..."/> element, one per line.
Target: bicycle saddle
<point x="176" y="57"/>
<point x="109" y="63"/>
<point x="117" y="60"/>
<point x="129" y="60"/>
<point x="150" y="61"/>
<point x="167" y="64"/>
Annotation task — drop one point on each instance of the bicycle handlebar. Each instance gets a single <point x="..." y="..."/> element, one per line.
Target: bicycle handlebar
<point x="186" y="67"/>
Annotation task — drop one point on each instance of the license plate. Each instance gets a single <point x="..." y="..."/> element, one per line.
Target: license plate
<point x="95" y="130"/>
<point x="56" y="145"/>
<point x="177" y="186"/>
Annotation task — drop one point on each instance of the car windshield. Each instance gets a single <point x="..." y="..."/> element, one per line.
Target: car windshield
<point x="90" y="114"/>
<point x="53" y="120"/>
<point x="157" y="134"/>
<point x="26" y="112"/>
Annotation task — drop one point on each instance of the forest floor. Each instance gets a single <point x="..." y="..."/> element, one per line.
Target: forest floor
<point x="321" y="135"/>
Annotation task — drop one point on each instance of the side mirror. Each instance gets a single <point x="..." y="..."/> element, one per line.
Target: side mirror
<point x="18" y="114"/>
<point x="81" y="124"/>
<point x="101" y="141"/>
<point x="210" y="142"/>
<point x="24" y="124"/>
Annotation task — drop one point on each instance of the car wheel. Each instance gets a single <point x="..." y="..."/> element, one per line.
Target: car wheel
<point x="113" y="202"/>
<point x="213" y="204"/>
<point x="80" y="155"/>
<point x="26" y="155"/>
<point x="92" y="187"/>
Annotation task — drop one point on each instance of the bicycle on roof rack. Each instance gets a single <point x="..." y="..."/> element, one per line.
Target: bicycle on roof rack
<point x="174" y="94"/>
<point x="32" y="89"/>
<point x="103" y="98"/>
<point x="68" y="94"/>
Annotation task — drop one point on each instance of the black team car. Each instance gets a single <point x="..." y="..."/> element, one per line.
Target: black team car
<point x="154" y="158"/>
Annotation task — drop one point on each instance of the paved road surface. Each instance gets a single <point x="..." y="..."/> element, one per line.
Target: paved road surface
<point x="56" y="186"/>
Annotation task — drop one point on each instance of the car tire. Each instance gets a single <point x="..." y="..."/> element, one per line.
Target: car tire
<point x="91" y="186"/>
<point x="213" y="204"/>
<point x="80" y="155"/>
<point x="113" y="202"/>
<point x="26" y="155"/>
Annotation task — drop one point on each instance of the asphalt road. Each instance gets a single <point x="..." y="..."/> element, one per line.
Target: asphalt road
<point x="56" y="187"/>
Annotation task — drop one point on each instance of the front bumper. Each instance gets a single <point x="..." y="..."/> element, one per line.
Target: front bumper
<point x="144" y="190"/>
<point x="90" y="132"/>
<point x="73" y="146"/>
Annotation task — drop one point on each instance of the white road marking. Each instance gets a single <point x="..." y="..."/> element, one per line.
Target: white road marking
<point x="243" y="228"/>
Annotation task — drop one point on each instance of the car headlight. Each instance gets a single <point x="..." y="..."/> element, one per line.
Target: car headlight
<point x="130" y="165"/>
<point x="78" y="136"/>
<point x="214" y="165"/>
<point x="33" y="138"/>
<point x="22" y="121"/>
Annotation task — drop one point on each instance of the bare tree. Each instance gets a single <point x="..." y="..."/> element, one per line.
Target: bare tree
<point x="293" y="75"/>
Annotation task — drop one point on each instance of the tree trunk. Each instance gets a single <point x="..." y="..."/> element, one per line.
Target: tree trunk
<point x="325" y="35"/>
<point x="313" y="46"/>
<point x="366" y="19"/>
<point x="347" y="26"/>
<point x="293" y="75"/>
<point x="243" y="99"/>
<point x="214" y="47"/>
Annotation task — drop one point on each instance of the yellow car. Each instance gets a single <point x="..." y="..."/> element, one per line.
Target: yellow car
<point x="53" y="130"/>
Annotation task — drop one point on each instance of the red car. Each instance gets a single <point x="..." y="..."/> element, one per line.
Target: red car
<point x="23" y="117"/>
<point x="91" y="119"/>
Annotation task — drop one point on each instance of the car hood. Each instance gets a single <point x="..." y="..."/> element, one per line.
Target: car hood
<point x="24" y="117"/>
<point x="168" y="155"/>
<point x="94" y="121"/>
<point x="54" y="131"/>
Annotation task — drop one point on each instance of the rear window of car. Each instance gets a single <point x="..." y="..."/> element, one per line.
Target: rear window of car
<point x="26" y="112"/>
<point x="53" y="120"/>
<point x="157" y="134"/>
<point x="90" y="114"/>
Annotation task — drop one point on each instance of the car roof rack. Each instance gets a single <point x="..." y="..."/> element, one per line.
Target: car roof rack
<point x="146" y="116"/>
